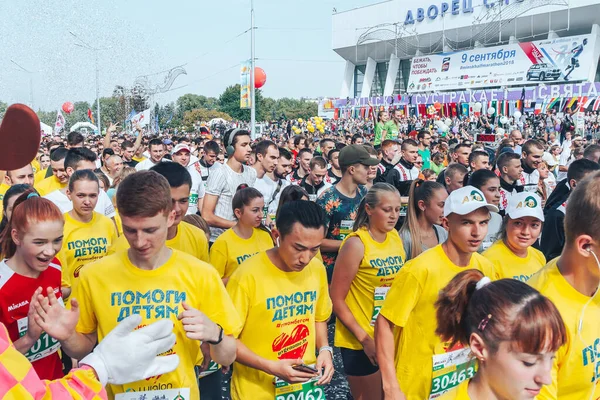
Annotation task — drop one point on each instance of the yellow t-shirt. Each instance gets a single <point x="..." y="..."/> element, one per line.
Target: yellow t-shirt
<point x="460" y="393"/>
<point x="189" y="239"/>
<point x="113" y="288"/>
<point x="118" y="223"/>
<point x="230" y="250"/>
<point x="35" y="165"/>
<point x="576" y="370"/>
<point x="40" y="175"/>
<point x="508" y="265"/>
<point x="378" y="269"/>
<point x="279" y="311"/>
<point x="84" y="243"/>
<point x="48" y="185"/>
<point x="3" y="188"/>
<point x="410" y="306"/>
<point x="138" y="159"/>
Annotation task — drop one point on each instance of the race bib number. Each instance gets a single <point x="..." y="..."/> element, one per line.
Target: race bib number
<point x="175" y="394"/>
<point x="346" y="228"/>
<point x="378" y="300"/>
<point x="450" y="370"/>
<point x="43" y="347"/>
<point x="193" y="199"/>
<point x="403" y="209"/>
<point x="212" y="368"/>
<point x="298" y="391"/>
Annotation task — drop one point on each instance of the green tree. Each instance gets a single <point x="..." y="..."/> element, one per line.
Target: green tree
<point x="47" y="117"/>
<point x="3" y="107"/>
<point x="190" y="101"/>
<point x="202" y="115"/>
<point x="79" y="114"/>
<point x="112" y="110"/>
<point x="168" y="117"/>
<point x="229" y="102"/>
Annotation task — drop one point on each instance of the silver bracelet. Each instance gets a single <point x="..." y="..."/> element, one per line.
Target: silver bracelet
<point x="326" y="348"/>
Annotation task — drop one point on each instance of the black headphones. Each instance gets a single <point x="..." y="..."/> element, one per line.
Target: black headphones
<point x="230" y="149"/>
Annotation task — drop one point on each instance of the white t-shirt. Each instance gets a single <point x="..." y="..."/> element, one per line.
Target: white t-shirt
<point x="205" y="171"/>
<point x="271" y="191"/>
<point x="223" y="183"/>
<point x="565" y="161"/>
<point x="104" y="205"/>
<point x="147" y="164"/>
<point x="549" y="158"/>
<point x="197" y="191"/>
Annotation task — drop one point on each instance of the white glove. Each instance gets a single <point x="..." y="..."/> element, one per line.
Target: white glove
<point x="126" y="356"/>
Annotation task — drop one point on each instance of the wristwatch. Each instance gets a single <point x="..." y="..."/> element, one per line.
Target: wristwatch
<point x="220" y="336"/>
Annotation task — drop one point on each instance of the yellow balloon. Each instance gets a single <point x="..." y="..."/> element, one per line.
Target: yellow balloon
<point x="321" y="130"/>
<point x="300" y="120"/>
<point x="311" y="129"/>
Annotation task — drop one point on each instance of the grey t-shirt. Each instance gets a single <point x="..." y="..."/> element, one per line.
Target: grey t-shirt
<point x="440" y="232"/>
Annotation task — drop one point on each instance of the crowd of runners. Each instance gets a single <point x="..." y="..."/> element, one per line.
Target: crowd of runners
<point x="446" y="268"/>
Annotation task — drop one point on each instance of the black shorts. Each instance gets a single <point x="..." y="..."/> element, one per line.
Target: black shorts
<point x="211" y="386"/>
<point x="356" y="363"/>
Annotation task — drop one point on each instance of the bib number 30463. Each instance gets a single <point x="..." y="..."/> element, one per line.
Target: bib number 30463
<point x="298" y="391"/>
<point x="450" y="370"/>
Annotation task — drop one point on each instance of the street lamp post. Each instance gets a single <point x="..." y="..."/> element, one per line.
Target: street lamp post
<point x="95" y="50"/>
<point x="252" y="67"/>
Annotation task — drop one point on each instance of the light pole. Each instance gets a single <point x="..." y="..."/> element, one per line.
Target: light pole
<point x="95" y="50"/>
<point x="252" y="67"/>
<point x="30" y="73"/>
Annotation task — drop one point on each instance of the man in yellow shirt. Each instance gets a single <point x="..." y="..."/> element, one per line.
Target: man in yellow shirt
<point x="181" y="235"/>
<point x="156" y="282"/>
<point x="59" y="178"/>
<point x="18" y="176"/>
<point x="282" y="297"/>
<point x="571" y="281"/>
<point x="412" y="358"/>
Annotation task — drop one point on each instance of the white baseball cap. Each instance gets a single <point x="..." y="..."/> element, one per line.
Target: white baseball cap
<point x="466" y="200"/>
<point x="525" y="204"/>
<point x="179" y="147"/>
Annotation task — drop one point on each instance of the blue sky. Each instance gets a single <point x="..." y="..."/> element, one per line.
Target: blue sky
<point x="145" y="37"/>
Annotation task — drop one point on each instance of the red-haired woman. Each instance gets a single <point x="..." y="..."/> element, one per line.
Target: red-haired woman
<point x="510" y="328"/>
<point x="30" y="243"/>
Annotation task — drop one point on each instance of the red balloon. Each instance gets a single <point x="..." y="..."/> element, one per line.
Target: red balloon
<point x="68" y="107"/>
<point x="437" y="106"/>
<point x="260" y="77"/>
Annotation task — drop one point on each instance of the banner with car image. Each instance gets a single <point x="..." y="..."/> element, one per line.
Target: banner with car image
<point x="567" y="59"/>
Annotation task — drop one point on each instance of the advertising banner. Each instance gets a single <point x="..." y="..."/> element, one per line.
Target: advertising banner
<point x="539" y="94"/>
<point x="545" y="61"/>
<point x="245" y="99"/>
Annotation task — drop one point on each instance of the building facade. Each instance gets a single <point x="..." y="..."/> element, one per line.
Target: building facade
<point x="386" y="45"/>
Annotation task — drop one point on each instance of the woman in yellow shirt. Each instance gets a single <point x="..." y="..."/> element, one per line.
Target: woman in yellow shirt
<point x="512" y="255"/>
<point x="368" y="261"/>
<point x="246" y="238"/>
<point x="510" y="328"/>
<point x="87" y="235"/>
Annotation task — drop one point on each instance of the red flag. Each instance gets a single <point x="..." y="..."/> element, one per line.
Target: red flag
<point x="91" y="116"/>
